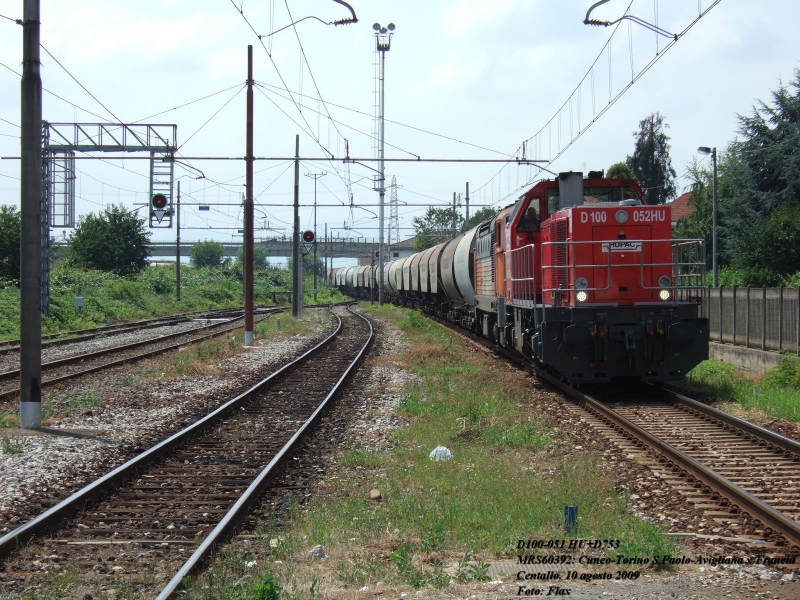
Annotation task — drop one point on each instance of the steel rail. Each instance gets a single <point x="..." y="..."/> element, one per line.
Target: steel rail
<point x="236" y="515"/>
<point x="66" y="509"/>
<point x="121" y="361"/>
<point x="61" y="362"/>
<point x="769" y="517"/>
<point x="786" y="444"/>
<point x="63" y="337"/>
<point x="61" y="341"/>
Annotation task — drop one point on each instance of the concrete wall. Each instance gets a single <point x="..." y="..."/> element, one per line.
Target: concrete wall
<point x="749" y="362"/>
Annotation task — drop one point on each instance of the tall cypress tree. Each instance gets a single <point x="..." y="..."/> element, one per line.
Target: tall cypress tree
<point x="650" y="161"/>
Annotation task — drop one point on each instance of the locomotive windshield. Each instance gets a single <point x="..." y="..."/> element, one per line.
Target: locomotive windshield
<point x="593" y="195"/>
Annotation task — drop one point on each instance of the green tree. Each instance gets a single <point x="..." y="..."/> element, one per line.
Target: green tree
<point x="207" y="253"/>
<point x="620" y="170"/>
<point x="698" y="225"/>
<point x="650" y="161"/>
<point x="436" y="227"/>
<point x="763" y="169"/>
<point x="10" y="230"/>
<point x="113" y="240"/>
<point x="308" y="265"/>
<point x="260" y="256"/>
<point x="484" y="214"/>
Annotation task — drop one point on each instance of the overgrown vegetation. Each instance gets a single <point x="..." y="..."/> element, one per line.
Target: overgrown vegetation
<point x="777" y="394"/>
<point x="440" y="522"/>
<point x="149" y="292"/>
<point x="112" y="240"/>
<point x="207" y="253"/>
<point x="10" y="227"/>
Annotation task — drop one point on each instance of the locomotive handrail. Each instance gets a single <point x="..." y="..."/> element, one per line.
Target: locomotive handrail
<point x="678" y="264"/>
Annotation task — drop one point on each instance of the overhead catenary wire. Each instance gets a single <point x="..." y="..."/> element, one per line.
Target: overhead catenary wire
<point x="212" y="117"/>
<point x="612" y="98"/>
<point x="369" y="135"/>
<point x="75" y="79"/>
<point x="286" y="87"/>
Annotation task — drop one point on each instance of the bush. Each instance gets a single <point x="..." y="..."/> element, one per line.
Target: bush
<point x="785" y="374"/>
<point x="206" y="254"/>
<point x="10" y="228"/>
<point x="113" y="240"/>
<point x="260" y="256"/>
<point x="754" y="276"/>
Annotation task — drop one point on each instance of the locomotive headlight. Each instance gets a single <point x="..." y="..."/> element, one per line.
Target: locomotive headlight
<point x="581" y="283"/>
<point x="621" y="216"/>
<point x="664" y="294"/>
<point x="664" y="281"/>
<point x="581" y="296"/>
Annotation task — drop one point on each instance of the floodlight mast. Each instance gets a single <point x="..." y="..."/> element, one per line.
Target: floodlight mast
<point x="383" y="41"/>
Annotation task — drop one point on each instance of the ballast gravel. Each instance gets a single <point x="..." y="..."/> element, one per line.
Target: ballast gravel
<point x="9" y="361"/>
<point x="114" y="415"/>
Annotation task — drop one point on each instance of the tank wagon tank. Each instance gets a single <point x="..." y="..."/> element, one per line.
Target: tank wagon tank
<point x="579" y="275"/>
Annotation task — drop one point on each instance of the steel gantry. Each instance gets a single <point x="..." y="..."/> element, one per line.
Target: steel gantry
<point x="60" y="142"/>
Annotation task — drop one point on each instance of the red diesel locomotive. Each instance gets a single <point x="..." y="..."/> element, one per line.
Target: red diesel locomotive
<point x="579" y="275"/>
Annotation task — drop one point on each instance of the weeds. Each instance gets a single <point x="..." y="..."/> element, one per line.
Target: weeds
<point x="266" y="588"/>
<point x="9" y="421"/>
<point x="70" y="403"/>
<point x="11" y="446"/>
<point x="469" y="570"/>
<point x="777" y="395"/>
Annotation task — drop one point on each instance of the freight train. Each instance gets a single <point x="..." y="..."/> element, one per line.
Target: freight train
<point x="579" y="275"/>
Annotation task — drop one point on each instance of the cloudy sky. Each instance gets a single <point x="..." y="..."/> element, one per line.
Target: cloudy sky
<point x="465" y="79"/>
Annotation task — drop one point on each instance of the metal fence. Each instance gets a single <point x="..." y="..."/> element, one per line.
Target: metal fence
<point x="760" y="318"/>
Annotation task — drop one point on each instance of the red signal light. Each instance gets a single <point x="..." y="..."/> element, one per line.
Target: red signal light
<point x="159" y="202"/>
<point x="308" y="236"/>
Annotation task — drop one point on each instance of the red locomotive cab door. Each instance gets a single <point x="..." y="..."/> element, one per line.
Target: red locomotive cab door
<point x="626" y="249"/>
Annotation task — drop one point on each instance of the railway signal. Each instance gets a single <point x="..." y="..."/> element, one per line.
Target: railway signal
<point x="308" y="240"/>
<point x="159" y="206"/>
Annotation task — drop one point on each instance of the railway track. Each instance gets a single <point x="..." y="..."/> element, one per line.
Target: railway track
<point x="63" y="369"/>
<point x="744" y="478"/>
<point x="155" y="519"/>
<point x="80" y="335"/>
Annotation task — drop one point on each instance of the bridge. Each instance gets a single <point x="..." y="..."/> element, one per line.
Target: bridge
<point x="336" y="248"/>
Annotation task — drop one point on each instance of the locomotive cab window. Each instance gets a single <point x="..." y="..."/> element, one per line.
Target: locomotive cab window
<point x="530" y="220"/>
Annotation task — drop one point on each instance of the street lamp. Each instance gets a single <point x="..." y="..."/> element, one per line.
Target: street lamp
<point x="713" y="153"/>
<point x="383" y="41"/>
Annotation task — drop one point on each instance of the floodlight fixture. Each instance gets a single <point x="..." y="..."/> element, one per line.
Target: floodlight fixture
<point x="390" y="27"/>
<point x="704" y="150"/>
<point x="376" y="27"/>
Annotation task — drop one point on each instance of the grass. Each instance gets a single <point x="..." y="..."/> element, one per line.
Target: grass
<point x="777" y="395"/>
<point x="200" y="358"/>
<point x="146" y="294"/>
<point x="68" y="403"/>
<point x="509" y="479"/>
<point x="268" y="328"/>
<point x="10" y="446"/>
